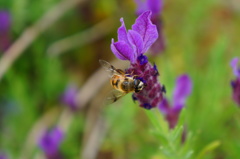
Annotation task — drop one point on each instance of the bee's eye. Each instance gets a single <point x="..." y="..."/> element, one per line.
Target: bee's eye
<point x="136" y="82"/>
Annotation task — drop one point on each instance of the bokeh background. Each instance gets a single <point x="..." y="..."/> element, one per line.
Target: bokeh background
<point x="201" y="37"/>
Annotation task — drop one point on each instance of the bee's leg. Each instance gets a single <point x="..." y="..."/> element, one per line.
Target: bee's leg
<point x="130" y="74"/>
<point x="121" y="72"/>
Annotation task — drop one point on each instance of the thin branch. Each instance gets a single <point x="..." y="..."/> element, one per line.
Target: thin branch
<point x="97" y="31"/>
<point x="96" y="136"/>
<point x="31" y="33"/>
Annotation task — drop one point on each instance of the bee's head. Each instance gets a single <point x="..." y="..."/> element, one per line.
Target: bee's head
<point x="138" y="85"/>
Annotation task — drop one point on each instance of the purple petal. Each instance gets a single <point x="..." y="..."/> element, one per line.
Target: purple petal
<point x="234" y="65"/>
<point x="183" y="89"/>
<point x="5" y="21"/>
<point x="146" y="29"/>
<point x="155" y="6"/>
<point x="164" y="106"/>
<point x="122" y="32"/>
<point x="136" y="41"/>
<point x="51" y="141"/>
<point x="123" y="51"/>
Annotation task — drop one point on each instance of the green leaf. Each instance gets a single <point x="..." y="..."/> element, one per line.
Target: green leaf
<point x="210" y="147"/>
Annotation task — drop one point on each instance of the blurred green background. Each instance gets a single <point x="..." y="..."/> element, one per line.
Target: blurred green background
<point x="201" y="36"/>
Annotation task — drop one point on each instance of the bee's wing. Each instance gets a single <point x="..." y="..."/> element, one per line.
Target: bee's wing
<point x="110" y="69"/>
<point x="113" y="96"/>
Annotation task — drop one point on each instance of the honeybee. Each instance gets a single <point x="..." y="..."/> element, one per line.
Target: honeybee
<point x="121" y="82"/>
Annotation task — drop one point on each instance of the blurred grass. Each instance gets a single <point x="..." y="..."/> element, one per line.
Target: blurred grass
<point x="201" y="36"/>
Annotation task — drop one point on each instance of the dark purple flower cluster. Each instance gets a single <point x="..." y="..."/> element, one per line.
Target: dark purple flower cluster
<point x="182" y="90"/>
<point x="236" y="83"/>
<point x="5" y="23"/>
<point x="152" y="94"/>
<point x="155" y="6"/>
<point x="131" y="46"/>
<point x="50" y="143"/>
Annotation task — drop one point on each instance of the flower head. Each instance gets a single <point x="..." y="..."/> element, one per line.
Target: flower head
<point x="182" y="90"/>
<point x="236" y="83"/>
<point x="50" y="143"/>
<point x="5" y="24"/>
<point x="133" y="43"/>
<point x="131" y="46"/>
<point x="69" y="97"/>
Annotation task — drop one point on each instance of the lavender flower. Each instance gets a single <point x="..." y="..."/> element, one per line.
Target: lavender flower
<point x="131" y="46"/>
<point x="50" y="143"/>
<point x="5" y="24"/>
<point x="236" y="83"/>
<point x="182" y="90"/>
<point x="156" y="7"/>
<point x="69" y="97"/>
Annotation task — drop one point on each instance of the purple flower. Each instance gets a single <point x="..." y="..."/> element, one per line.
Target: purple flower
<point x="236" y="83"/>
<point x="155" y="6"/>
<point x="133" y="43"/>
<point x="50" y="143"/>
<point x="182" y="90"/>
<point x="69" y="97"/>
<point x="5" y="24"/>
<point x="3" y="155"/>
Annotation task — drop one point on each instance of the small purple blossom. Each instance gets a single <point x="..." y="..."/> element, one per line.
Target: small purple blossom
<point x="182" y="90"/>
<point x="236" y="83"/>
<point x="69" y="97"/>
<point x="5" y="24"/>
<point x="50" y="143"/>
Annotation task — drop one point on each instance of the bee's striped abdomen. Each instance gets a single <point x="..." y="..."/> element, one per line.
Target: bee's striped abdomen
<point x="122" y="83"/>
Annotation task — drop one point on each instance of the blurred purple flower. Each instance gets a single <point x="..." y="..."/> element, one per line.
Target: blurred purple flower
<point x="3" y="155"/>
<point x="236" y="83"/>
<point x="155" y="6"/>
<point x="50" y="143"/>
<point x="69" y="97"/>
<point x="182" y="90"/>
<point x="5" y="24"/>
<point x="131" y="45"/>
<point x="234" y="65"/>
